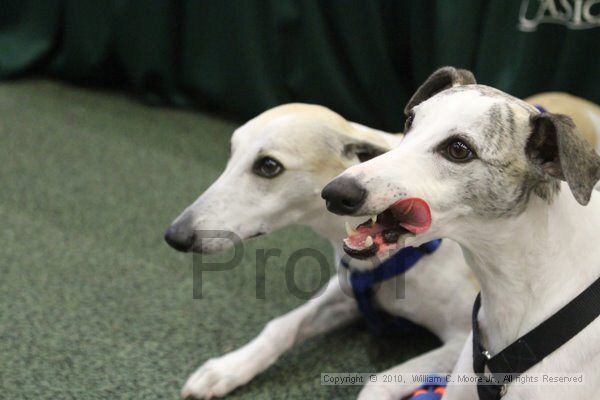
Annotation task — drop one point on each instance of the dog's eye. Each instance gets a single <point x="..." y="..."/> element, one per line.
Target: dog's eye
<point x="458" y="151"/>
<point x="408" y="123"/>
<point x="267" y="167"/>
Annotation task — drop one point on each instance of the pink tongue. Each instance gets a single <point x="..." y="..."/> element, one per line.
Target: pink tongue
<point x="413" y="214"/>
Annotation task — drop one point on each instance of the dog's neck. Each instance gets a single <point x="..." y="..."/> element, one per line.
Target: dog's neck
<point x="532" y="265"/>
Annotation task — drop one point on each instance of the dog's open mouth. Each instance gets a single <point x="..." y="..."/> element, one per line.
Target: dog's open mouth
<point x="382" y="233"/>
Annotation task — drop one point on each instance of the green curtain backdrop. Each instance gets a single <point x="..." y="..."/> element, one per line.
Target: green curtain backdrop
<point x="361" y="58"/>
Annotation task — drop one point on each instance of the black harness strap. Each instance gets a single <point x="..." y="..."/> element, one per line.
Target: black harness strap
<point x="480" y="358"/>
<point x="536" y="344"/>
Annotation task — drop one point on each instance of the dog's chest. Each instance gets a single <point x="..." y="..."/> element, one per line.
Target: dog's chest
<point x="408" y="296"/>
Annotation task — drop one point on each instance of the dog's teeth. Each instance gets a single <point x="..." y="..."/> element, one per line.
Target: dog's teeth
<point x="374" y="219"/>
<point x="368" y="241"/>
<point x="349" y="230"/>
<point x="401" y="243"/>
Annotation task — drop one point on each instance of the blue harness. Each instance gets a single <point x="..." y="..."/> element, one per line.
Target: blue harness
<point x="362" y="283"/>
<point x="433" y="388"/>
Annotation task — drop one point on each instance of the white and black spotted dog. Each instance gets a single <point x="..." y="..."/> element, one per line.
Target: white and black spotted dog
<point x="280" y="161"/>
<point x="513" y="186"/>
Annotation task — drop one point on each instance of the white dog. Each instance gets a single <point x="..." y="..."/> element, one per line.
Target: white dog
<point x="280" y="161"/>
<point x="484" y="169"/>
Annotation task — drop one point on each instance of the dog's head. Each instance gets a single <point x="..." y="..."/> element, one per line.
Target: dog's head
<point x="278" y="165"/>
<point x="469" y="152"/>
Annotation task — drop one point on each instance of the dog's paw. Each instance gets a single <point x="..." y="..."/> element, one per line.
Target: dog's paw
<point x="215" y="378"/>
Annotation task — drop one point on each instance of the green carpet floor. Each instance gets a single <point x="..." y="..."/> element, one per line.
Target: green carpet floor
<point x="93" y="303"/>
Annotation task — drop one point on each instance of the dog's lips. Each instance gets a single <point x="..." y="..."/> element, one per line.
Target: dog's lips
<point x="383" y="233"/>
<point x="257" y="234"/>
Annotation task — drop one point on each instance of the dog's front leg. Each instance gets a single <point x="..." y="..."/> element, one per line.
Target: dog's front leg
<point x="331" y="308"/>
<point x="441" y="360"/>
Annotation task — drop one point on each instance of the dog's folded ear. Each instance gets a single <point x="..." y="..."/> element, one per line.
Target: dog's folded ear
<point x="363" y="150"/>
<point x="442" y="79"/>
<point x="556" y="146"/>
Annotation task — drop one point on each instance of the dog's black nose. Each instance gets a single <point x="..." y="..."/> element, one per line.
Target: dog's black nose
<point x="180" y="239"/>
<point x="344" y="196"/>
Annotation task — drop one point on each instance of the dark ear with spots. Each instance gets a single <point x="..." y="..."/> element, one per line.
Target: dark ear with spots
<point x="560" y="151"/>
<point x="362" y="150"/>
<point x="442" y="79"/>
